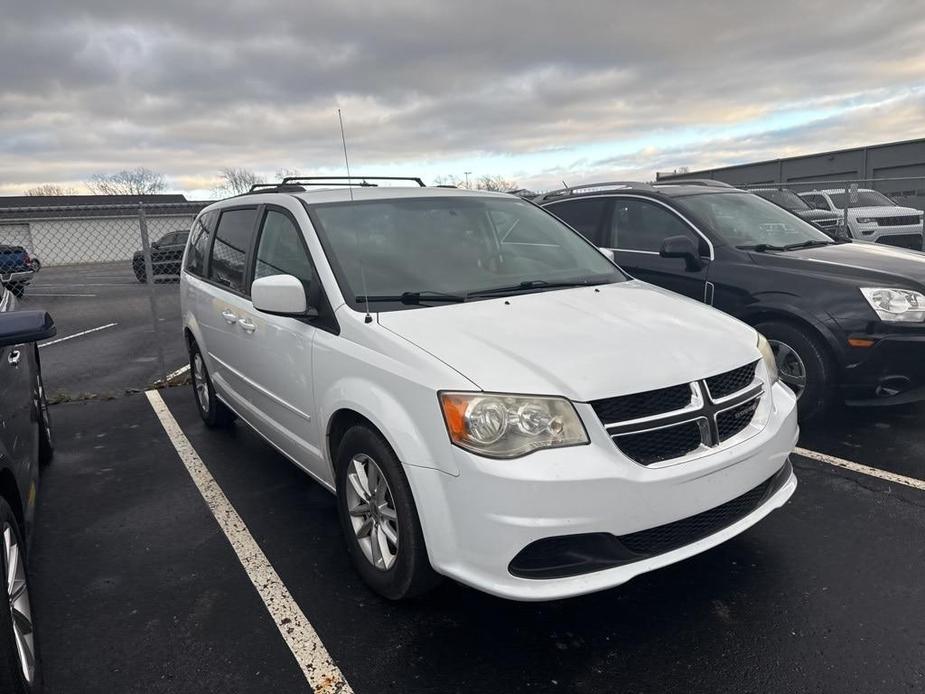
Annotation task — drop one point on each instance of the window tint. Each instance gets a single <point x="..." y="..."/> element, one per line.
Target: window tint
<point x="280" y="251"/>
<point x="232" y="241"/>
<point x="584" y="216"/>
<point x="638" y="225"/>
<point x="203" y="228"/>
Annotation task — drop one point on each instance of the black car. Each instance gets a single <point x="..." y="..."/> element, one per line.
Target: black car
<point x="830" y="223"/>
<point x="846" y="319"/>
<point x="25" y="443"/>
<point x="166" y="255"/>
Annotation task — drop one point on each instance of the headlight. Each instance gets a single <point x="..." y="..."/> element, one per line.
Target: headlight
<point x="767" y="356"/>
<point x="508" y="426"/>
<point x="894" y="305"/>
<point x="866" y="220"/>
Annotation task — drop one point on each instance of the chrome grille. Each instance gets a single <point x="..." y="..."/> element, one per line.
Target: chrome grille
<point x="669" y="423"/>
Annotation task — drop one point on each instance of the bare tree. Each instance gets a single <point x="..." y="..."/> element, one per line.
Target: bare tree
<point x="285" y="173"/>
<point x="495" y="183"/>
<point x="237" y="181"/>
<point x="47" y="189"/>
<point x="139" y="181"/>
<point x="449" y="180"/>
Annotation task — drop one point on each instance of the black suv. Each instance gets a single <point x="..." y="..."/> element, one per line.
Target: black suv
<point x="166" y="254"/>
<point x="845" y="319"/>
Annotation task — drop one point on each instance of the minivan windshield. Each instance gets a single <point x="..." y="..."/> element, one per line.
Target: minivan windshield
<point x="403" y="252"/>
<point x="784" y="198"/>
<point x="866" y="198"/>
<point x="748" y="221"/>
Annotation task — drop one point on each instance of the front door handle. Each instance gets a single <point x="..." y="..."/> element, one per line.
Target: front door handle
<point x="246" y="325"/>
<point x="13" y="359"/>
<point x="229" y="317"/>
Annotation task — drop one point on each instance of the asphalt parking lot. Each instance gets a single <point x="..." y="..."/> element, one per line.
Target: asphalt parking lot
<point x="137" y="588"/>
<point x="106" y="341"/>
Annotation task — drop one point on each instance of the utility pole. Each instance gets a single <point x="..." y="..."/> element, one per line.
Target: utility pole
<point x="467" y="177"/>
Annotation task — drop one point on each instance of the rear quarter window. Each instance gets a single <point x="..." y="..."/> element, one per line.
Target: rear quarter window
<point x="201" y="233"/>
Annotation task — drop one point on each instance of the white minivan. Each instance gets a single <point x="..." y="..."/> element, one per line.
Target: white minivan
<point x="488" y="395"/>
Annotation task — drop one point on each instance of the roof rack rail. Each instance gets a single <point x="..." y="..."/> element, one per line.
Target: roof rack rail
<point x="592" y="188"/>
<point x="346" y="180"/>
<point x="297" y="184"/>
<point x="709" y="182"/>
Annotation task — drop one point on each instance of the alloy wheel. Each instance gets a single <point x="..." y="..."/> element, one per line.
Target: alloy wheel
<point x="199" y="382"/>
<point x="790" y="366"/>
<point x="372" y="512"/>
<point x="20" y="607"/>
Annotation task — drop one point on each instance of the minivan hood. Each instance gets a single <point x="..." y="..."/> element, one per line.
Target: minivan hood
<point x="584" y="343"/>
<point x="859" y="260"/>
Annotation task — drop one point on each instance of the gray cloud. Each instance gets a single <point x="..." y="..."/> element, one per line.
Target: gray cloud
<point x="189" y="87"/>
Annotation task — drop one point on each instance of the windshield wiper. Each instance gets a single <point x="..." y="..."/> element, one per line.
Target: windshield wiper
<point x="763" y="247"/>
<point x="413" y="298"/>
<point x="534" y="284"/>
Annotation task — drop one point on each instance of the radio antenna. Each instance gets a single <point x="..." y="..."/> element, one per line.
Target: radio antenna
<point x="343" y="139"/>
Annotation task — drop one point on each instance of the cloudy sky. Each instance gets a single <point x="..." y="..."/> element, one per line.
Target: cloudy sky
<point x="535" y="91"/>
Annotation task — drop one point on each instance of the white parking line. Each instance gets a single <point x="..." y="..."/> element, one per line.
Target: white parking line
<point x="181" y="370"/>
<point x="31" y="294"/>
<point x="319" y="669"/>
<point x="84" y="332"/>
<point x="863" y="469"/>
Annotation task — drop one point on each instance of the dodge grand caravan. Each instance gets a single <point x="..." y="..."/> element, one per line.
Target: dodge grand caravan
<point x="489" y="397"/>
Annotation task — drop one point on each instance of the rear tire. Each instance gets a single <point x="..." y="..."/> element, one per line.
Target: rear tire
<point x="396" y="570"/>
<point x="214" y="413"/>
<point x="797" y="350"/>
<point x="14" y="664"/>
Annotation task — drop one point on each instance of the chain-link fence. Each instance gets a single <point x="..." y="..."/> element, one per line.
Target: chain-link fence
<point x="108" y="275"/>
<point x="879" y="210"/>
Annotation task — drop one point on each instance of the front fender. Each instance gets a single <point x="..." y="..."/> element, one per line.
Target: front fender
<point x="414" y="429"/>
<point x="826" y="328"/>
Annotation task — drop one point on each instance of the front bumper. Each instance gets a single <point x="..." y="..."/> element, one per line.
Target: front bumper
<point x="476" y="523"/>
<point x="890" y="372"/>
<point x="905" y="236"/>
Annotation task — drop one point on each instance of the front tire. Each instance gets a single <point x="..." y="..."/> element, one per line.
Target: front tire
<point x="214" y="413"/>
<point x="19" y="671"/>
<point x="804" y="365"/>
<point x="379" y="518"/>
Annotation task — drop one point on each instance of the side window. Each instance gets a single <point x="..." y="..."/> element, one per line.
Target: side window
<point x="639" y="225"/>
<point x="584" y="216"/>
<point x="280" y="251"/>
<point x="229" y="250"/>
<point x="203" y="228"/>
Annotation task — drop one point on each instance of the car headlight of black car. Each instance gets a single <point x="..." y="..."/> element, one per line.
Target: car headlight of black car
<point x="896" y="305"/>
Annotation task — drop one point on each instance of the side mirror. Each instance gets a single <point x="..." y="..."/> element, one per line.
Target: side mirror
<point x="282" y="295"/>
<point x="607" y="253"/>
<point x="682" y="247"/>
<point x="18" y="327"/>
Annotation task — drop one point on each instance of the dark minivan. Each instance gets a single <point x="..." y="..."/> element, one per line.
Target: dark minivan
<point x="846" y="319"/>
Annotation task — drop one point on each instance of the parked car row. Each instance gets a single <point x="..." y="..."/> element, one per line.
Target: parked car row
<point x="871" y="216"/>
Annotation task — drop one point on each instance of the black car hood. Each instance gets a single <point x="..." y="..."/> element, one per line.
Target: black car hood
<point x="856" y="260"/>
<point x="815" y="215"/>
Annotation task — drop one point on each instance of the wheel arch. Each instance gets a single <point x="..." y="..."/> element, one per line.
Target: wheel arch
<point x="797" y="319"/>
<point x="9" y="490"/>
<point x="354" y="401"/>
